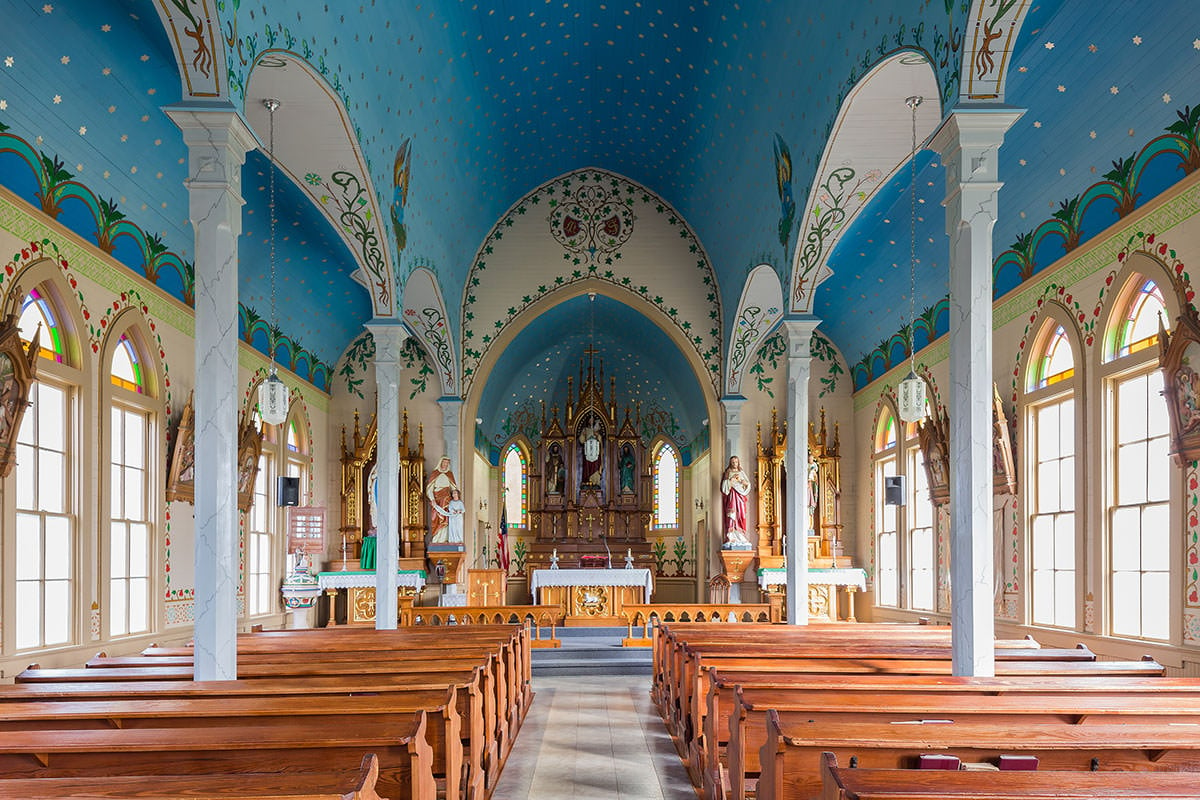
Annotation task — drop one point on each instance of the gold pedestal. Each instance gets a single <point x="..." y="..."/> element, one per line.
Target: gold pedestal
<point x="736" y="563"/>
<point x="452" y="559"/>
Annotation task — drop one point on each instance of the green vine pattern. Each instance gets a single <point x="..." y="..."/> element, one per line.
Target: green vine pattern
<point x="357" y="362"/>
<point x="349" y="199"/>
<point x="752" y="323"/>
<point x="824" y="351"/>
<point x="768" y="354"/>
<point x="430" y="325"/>
<point x="477" y="339"/>
<point x="830" y="213"/>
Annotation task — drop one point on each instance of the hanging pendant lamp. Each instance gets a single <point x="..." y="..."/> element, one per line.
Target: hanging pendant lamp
<point x="910" y="394"/>
<point x="272" y="393"/>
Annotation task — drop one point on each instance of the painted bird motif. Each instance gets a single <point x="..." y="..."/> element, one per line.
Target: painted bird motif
<point x="783" y="184"/>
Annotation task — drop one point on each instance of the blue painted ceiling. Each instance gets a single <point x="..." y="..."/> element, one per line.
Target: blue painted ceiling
<point x="499" y="97"/>
<point x="649" y="368"/>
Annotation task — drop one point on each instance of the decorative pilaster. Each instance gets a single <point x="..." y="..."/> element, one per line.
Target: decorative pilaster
<point x="969" y="143"/>
<point x="451" y="409"/>
<point x="799" y="335"/>
<point x="389" y="338"/>
<point x="217" y="140"/>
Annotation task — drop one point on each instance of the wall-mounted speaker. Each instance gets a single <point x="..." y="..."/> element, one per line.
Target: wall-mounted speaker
<point x="893" y="490"/>
<point x="287" y="491"/>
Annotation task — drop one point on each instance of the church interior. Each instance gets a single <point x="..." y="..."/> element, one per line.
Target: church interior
<point x="843" y="317"/>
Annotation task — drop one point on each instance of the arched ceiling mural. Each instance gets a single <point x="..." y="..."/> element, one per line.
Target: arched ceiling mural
<point x="458" y="110"/>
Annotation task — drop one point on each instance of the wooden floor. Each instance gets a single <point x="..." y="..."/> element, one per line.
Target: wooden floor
<point x="593" y="738"/>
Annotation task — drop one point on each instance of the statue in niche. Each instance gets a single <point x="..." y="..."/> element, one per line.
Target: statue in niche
<point x="735" y="494"/>
<point x="590" y="441"/>
<point x="628" y="467"/>
<point x="439" y="490"/>
<point x="556" y="473"/>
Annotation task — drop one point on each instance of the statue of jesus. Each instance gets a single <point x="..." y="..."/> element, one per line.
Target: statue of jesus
<point x="735" y="493"/>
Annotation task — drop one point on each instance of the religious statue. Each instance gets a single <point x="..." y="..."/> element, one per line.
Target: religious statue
<point x="628" y="467"/>
<point x="439" y="489"/>
<point x="10" y="395"/>
<point x="735" y="493"/>
<point x="556" y="473"/>
<point x="454" y="511"/>
<point x="589" y="438"/>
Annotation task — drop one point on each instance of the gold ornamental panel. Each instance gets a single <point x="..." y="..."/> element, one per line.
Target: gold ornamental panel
<point x="592" y="601"/>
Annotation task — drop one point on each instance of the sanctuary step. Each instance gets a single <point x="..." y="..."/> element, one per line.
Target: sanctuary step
<point x="591" y="651"/>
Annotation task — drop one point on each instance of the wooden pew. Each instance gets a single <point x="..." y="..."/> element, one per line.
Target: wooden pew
<point x="791" y="757"/>
<point x="321" y="713"/>
<point x="839" y="783"/>
<point x="405" y="759"/>
<point x="748" y="723"/>
<point x="244" y="786"/>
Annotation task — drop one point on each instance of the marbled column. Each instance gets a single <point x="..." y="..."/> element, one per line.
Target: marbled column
<point x="732" y="406"/>
<point x="799" y="335"/>
<point x="389" y="338"/>
<point x="217" y="140"/>
<point x="451" y="408"/>
<point x="969" y="143"/>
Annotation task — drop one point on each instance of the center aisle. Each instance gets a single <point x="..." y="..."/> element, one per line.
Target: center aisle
<point x="593" y="738"/>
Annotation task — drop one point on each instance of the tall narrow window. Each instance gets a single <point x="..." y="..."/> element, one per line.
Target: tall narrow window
<point x="297" y="459"/>
<point x="129" y="523"/>
<point x="919" y="528"/>
<point x="1138" y="491"/>
<point x="666" y="487"/>
<point x="516" y="478"/>
<point x="45" y="528"/>
<point x="887" y="557"/>
<point x="260" y="599"/>
<point x="1050" y="400"/>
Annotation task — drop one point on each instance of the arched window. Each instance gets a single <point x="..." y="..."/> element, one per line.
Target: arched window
<point x="44" y="551"/>
<point x="35" y="311"/>
<point x="1051" y="471"/>
<point x="666" y="486"/>
<point x="296" y="455"/>
<point x="516" y="487"/>
<point x="887" y="557"/>
<point x="131" y="474"/>
<point x="1137" y="496"/>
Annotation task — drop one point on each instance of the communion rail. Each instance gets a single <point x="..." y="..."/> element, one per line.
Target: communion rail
<point x="647" y="615"/>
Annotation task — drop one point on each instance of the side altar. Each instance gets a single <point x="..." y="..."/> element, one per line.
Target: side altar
<point x="592" y="597"/>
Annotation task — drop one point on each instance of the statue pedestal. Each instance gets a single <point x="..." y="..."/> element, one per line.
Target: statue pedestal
<point x="736" y="563"/>
<point x="451" y="559"/>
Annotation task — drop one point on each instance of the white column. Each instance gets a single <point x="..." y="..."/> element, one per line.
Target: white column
<point x="799" y="335"/>
<point x="217" y="141"/>
<point x="451" y="408"/>
<point x="969" y="143"/>
<point x="732" y="406"/>
<point x="389" y="338"/>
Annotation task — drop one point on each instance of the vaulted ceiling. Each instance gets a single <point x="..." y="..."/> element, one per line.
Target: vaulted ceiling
<point x="484" y="101"/>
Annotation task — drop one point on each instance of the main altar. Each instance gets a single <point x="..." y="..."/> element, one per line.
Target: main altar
<point x="592" y="597"/>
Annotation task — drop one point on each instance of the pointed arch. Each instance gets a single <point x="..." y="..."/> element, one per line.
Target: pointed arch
<point x="666" y="471"/>
<point x="425" y="315"/>
<point x="514" y="482"/>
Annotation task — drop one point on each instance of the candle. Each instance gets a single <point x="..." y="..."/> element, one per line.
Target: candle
<point x="629" y="552"/>
<point x="555" y="553"/>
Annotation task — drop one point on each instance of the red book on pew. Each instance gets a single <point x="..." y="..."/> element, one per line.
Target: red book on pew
<point x="938" y="761"/>
<point x="1017" y="763"/>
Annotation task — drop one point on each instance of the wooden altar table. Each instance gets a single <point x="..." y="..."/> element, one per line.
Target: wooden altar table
<point x="592" y="597"/>
<point x="822" y="589"/>
<point x="360" y="589"/>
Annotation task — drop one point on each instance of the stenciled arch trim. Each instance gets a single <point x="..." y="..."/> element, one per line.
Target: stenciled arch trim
<point x="130" y="325"/>
<point x="425" y="315"/>
<point x="1041" y="328"/>
<point x="1057" y="302"/>
<point x="990" y="37"/>
<point x="1161" y="263"/>
<point x="194" y="31"/>
<point x="759" y="310"/>
<point x="847" y="178"/>
<point x="339" y="182"/>
<point x="53" y="283"/>
<point x="597" y="263"/>
<point x="1128" y="281"/>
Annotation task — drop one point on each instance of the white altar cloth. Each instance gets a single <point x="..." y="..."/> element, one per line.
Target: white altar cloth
<point x="593" y="577"/>
<point x="365" y="579"/>
<point x="838" y="576"/>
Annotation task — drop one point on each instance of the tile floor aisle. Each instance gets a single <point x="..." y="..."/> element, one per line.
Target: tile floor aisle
<point x="593" y="738"/>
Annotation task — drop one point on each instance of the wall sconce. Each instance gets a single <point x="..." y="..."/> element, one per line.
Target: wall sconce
<point x="699" y="504"/>
<point x="483" y="505"/>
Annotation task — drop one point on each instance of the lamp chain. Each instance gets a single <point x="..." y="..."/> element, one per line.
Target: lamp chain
<point x="272" y="105"/>
<point x="913" y="102"/>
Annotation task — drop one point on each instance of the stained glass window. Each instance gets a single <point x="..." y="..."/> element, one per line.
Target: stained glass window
<point x="126" y="371"/>
<point x="516" y="487"/>
<point x="1057" y="362"/>
<point x="666" y="487"/>
<point x="885" y="437"/>
<point x="34" y="311"/>
<point x="1139" y="328"/>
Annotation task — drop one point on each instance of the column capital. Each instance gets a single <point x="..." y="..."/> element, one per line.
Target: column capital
<point x="390" y="335"/>
<point x="799" y="335"/>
